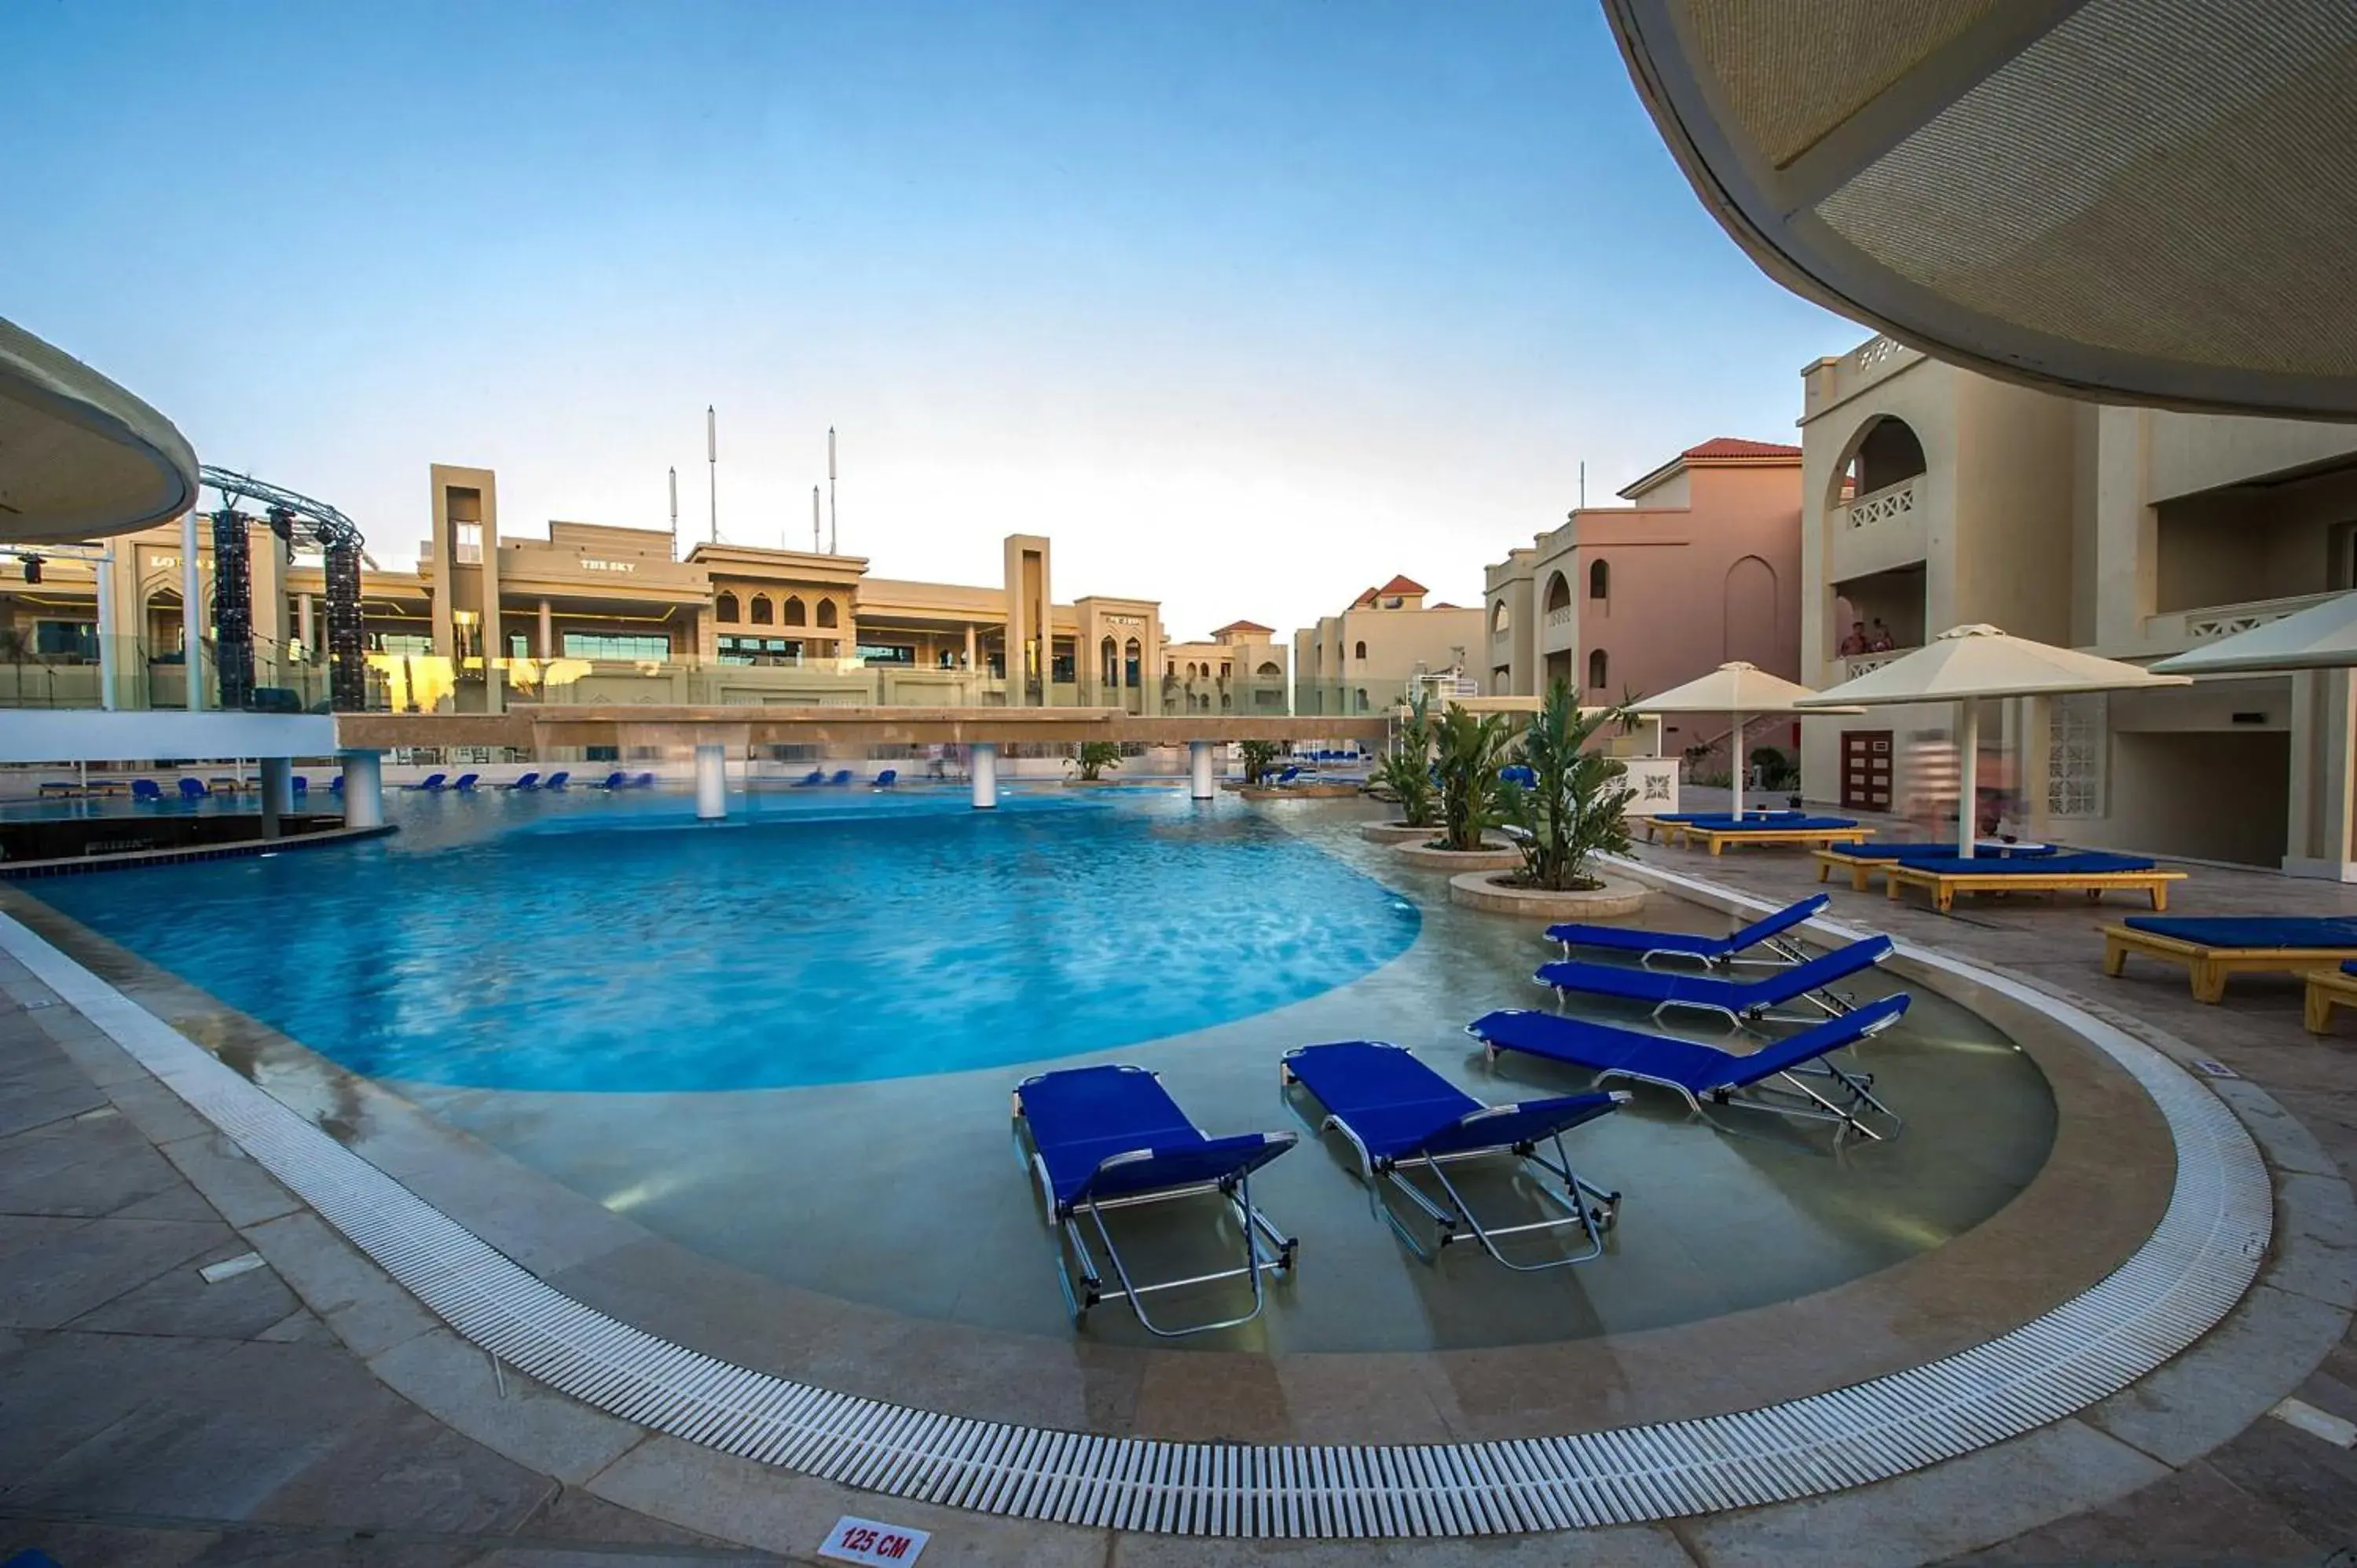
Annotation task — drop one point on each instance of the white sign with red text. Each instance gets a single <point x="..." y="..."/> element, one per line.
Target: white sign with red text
<point x="868" y="1542"/>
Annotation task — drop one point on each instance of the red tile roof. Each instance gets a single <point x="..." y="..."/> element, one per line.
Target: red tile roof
<point x="1732" y="447"/>
<point x="1406" y="586"/>
<point x="1243" y="626"/>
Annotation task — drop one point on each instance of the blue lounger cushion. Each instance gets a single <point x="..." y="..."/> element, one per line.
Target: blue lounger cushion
<point x="1737" y="996"/>
<point x="1781" y="823"/>
<point x="1943" y="850"/>
<point x="2253" y="931"/>
<point x="1627" y="939"/>
<point x="1399" y="1109"/>
<point x="1110" y="1131"/>
<point x="1778" y="814"/>
<point x="1698" y="1068"/>
<point x="2084" y="863"/>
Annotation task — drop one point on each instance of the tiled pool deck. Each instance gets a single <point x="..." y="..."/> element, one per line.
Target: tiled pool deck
<point x="106" y="1457"/>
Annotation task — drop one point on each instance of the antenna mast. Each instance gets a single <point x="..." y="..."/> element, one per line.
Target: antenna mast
<point x="830" y="491"/>
<point x="674" y="514"/>
<point x="712" y="456"/>
<point x="813" y="519"/>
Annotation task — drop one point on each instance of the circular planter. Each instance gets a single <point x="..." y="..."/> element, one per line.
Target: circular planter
<point x="1092" y="783"/>
<point x="1497" y="858"/>
<point x="1483" y="890"/>
<point x="1297" y="791"/>
<point x="1395" y="832"/>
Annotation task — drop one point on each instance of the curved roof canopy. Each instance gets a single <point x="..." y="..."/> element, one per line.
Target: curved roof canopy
<point x="2147" y="200"/>
<point x="81" y="457"/>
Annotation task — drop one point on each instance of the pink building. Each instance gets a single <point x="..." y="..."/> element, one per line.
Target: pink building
<point x="1701" y="566"/>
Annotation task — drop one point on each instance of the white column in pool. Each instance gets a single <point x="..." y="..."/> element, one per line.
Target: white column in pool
<point x="985" y="775"/>
<point x="278" y="793"/>
<point x="710" y="782"/>
<point x="363" y="789"/>
<point x="1198" y="771"/>
<point x="547" y="630"/>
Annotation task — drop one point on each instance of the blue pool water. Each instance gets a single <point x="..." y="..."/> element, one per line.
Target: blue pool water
<point x="613" y="944"/>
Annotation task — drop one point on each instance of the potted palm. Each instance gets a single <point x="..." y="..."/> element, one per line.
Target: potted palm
<point x="1092" y="758"/>
<point x="1468" y="752"/>
<point x="1568" y="809"/>
<point x="1405" y="778"/>
<point x="1259" y="758"/>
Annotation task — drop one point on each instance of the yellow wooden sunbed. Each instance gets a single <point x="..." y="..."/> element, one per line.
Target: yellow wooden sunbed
<point x="1944" y="884"/>
<point x="2209" y="966"/>
<point x="2326" y="989"/>
<point x="1717" y="838"/>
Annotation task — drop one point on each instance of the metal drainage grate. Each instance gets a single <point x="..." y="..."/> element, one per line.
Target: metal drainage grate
<point x="2192" y="1269"/>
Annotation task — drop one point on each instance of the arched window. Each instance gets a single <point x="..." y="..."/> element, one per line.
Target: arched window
<point x="1272" y="670"/>
<point x="1361" y="652"/>
<point x="763" y="613"/>
<point x="1131" y="657"/>
<point x="724" y="608"/>
<point x="1599" y="580"/>
<point x="1558" y="594"/>
<point x="826" y="612"/>
<point x="1885" y="452"/>
<point x="1599" y="668"/>
<point x="1362" y="699"/>
<point x="795" y="613"/>
<point x="1500" y="618"/>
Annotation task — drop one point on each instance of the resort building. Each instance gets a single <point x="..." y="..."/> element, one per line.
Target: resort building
<point x="1240" y="669"/>
<point x="1369" y="655"/>
<point x="594" y="613"/>
<point x="1701" y="567"/>
<point x="1934" y="497"/>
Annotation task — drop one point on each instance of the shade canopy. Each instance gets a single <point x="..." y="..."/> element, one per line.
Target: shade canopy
<point x="2149" y="200"/>
<point x="1971" y="661"/>
<point x="1735" y="688"/>
<point x="2322" y="637"/>
<point x="81" y="457"/>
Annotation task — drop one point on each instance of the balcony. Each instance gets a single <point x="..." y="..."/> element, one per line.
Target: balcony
<point x="2174" y="631"/>
<point x="1887" y="504"/>
<point x="1561" y="634"/>
<point x="1857" y="665"/>
<point x="1885" y="530"/>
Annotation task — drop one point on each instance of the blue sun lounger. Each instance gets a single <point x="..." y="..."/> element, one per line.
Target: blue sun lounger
<point x="1112" y="1137"/>
<point x="644" y="782"/>
<point x="1738" y="999"/>
<point x="887" y="778"/>
<point x="616" y="781"/>
<point x="810" y="780"/>
<point x="526" y="781"/>
<point x="193" y="790"/>
<point x="1397" y="1112"/>
<point x="1703" y="1073"/>
<point x="431" y="783"/>
<point x="558" y="780"/>
<point x="1711" y="953"/>
<point x="464" y="783"/>
<point x="146" y="790"/>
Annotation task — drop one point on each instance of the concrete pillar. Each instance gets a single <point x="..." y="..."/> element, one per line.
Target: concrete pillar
<point x="278" y="793"/>
<point x="547" y="630"/>
<point x="2323" y="806"/>
<point x="306" y="627"/>
<point x="363" y="788"/>
<point x="192" y="614"/>
<point x="2034" y="767"/>
<point x="973" y="661"/>
<point x="1200" y="783"/>
<point x="985" y="775"/>
<point x="710" y="782"/>
<point x="107" y="641"/>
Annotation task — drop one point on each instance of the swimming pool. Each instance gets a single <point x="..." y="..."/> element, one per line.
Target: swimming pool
<point x="783" y="1046"/>
<point x="617" y="945"/>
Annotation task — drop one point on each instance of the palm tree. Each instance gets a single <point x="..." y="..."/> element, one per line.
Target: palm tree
<point x="1572" y="809"/>
<point x="1469" y="750"/>
<point x="1406" y="769"/>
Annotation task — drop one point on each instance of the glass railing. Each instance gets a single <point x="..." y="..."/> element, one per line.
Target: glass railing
<point x="128" y="674"/>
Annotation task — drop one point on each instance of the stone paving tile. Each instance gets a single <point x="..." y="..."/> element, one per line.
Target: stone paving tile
<point x="77" y="1544"/>
<point x="62" y="1390"/>
<point x="179" y="1301"/>
<point x="577" y="1514"/>
<point x="62" y="1276"/>
<point x="2310" y="1483"/>
<point x="81" y="1168"/>
<point x="400" y="1469"/>
<point x="2196" y="1516"/>
<point x="368" y="1313"/>
<point x="231" y="1181"/>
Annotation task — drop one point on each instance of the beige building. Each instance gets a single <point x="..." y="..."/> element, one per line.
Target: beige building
<point x="1367" y="656"/>
<point x="1934" y="497"/>
<point x="1239" y="669"/>
<point x="594" y="613"/>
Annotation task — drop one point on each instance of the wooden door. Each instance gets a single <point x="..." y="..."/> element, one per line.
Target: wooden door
<point x="1866" y="770"/>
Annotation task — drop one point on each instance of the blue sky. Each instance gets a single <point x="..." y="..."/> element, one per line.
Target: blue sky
<point x="1248" y="306"/>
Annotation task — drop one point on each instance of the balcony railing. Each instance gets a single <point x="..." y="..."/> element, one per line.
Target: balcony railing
<point x="1852" y="666"/>
<point x="1886" y="505"/>
<point x="1562" y="615"/>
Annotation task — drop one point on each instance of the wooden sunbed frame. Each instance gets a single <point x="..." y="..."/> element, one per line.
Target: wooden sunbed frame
<point x="1717" y="839"/>
<point x="1859" y="867"/>
<point x="1943" y="886"/>
<point x="2210" y="966"/>
<point x="2326" y="989"/>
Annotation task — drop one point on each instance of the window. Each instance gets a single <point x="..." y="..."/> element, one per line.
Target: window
<point x="1599" y="580"/>
<point x="1500" y="618"/>
<point x="517" y="647"/>
<point x="1063" y="669"/>
<point x="768" y="650"/>
<point x="1226" y="669"/>
<point x="795" y="615"/>
<point x="644" y="648"/>
<point x="1361" y="651"/>
<point x="2074" y="756"/>
<point x="1271" y="670"/>
<point x="1132" y="658"/>
<point x="826" y="612"/>
<point x="466" y="543"/>
<point x="725" y="609"/>
<point x="889" y="653"/>
<point x="1362" y="699"/>
<point x="764" y="614"/>
<point x="67" y="639"/>
<point x="1599" y="668"/>
<point x="404" y="644"/>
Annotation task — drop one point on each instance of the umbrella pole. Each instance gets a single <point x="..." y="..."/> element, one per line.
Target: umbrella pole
<point x="1734" y="756"/>
<point x="1968" y="725"/>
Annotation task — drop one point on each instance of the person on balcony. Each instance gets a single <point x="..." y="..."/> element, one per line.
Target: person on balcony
<point x="1854" y="643"/>
<point x="1881" y="642"/>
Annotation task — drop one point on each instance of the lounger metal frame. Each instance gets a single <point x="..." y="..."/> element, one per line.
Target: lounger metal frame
<point x="1090" y="1287"/>
<point x="1829" y="1003"/>
<point x="1849" y="1095"/>
<point x="1462" y="1223"/>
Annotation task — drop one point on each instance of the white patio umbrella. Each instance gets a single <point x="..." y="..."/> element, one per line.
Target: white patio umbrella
<point x="2322" y="637"/>
<point x="1966" y="663"/>
<point x="1742" y="692"/>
